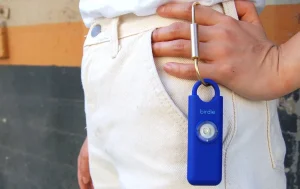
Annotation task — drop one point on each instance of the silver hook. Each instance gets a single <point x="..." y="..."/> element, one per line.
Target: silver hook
<point x="195" y="43"/>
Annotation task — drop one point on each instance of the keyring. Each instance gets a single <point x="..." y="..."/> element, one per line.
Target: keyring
<point x="195" y="42"/>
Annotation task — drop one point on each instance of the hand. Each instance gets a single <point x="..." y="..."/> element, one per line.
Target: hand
<point x="83" y="172"/>
<point x="237" y="53"/>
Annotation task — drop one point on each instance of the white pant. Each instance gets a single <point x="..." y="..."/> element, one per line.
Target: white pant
<point x="137" y="123"/>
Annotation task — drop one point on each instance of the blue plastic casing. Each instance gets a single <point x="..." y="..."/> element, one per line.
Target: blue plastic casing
<point x="205" y="157"/>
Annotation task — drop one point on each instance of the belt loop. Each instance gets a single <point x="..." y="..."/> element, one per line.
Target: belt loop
<point x="114" y="39"/>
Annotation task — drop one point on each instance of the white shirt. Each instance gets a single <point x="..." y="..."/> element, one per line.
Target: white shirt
<point x="93" y="9"/>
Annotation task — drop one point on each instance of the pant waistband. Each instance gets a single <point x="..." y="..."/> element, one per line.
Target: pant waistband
<point x="113" y="29"/>
<point x="131" y="24"/>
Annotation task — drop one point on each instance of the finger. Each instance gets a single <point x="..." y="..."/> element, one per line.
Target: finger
<point x="82" y="185"/>
<point x="79" y="177"/>
<point x="84" y="165"/>
<point x="176" y="48"/>
<point x="204" y="15"/>
<point x="247" y="12"/>
<point x="181" y="30"/>
<point x="91" y="185"/>
<point x="187" y="71"/>
<point x="84" y="169"/>
<point x="182" y="48"/>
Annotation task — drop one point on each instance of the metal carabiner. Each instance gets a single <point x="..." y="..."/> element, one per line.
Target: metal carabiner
<point x="195" y="42"/>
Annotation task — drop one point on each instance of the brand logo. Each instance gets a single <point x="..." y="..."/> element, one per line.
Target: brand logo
<point x="207" y="112"/>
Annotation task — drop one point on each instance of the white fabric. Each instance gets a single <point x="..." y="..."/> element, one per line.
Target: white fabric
<point x="94" y="9"/>
<point x="136" y="116"/>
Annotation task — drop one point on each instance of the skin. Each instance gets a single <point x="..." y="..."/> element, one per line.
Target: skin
<point x="237" y="54"/>
<point x="83" y="172"/>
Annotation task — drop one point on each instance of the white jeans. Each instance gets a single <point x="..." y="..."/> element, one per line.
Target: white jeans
<point x="137" y="123"/>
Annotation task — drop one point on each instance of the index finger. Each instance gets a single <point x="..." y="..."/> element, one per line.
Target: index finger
<point x="204" y="15"/>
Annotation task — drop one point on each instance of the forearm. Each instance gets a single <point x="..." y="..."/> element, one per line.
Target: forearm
<point x="289" y="61"/>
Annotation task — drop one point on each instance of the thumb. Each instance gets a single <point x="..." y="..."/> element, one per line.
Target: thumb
<point x="247" y="12"/>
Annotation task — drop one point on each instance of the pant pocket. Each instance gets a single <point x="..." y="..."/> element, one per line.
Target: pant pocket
<point x="276" y="144"/>
<point x="174" y="92"/>
<point x="167" y="87"/>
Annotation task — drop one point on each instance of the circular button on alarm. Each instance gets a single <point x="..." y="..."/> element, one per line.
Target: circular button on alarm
<point x="207" y="131"/>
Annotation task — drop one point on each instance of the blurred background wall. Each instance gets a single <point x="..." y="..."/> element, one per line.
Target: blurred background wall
<point x="41" y="102"/>
<point x="41" y="106"/>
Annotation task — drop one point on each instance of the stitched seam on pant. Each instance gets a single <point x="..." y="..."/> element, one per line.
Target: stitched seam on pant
<point x="164" y="98"/>
<point x="115" y="37"/>
<point x="233" y="133"/>
<point x="107" y="40"/>
<point x="85" y="74"/>
<point x="157" y="84"/>
<point x="269" y="136"/>
<point x="227" y="11"/>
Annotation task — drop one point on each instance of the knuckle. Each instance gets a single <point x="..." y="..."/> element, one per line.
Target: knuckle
<point x="179" y="71"/>
<point x="250" y="6"/>
<point x="224" y="52"/>
<point x="179" y="45"/>
<point x="188" y="9"/>
<point x="225" y="33"/>
<point x="215" y="31"/>
<point x="229" y="21"/>
<point x="190" y="72"/>
<point x="226" y="70"/>
<point x="156" y="48"/>
<point x="176" y="28"/>
<point x="168" y="8"/>
<point x="186" y="72"/>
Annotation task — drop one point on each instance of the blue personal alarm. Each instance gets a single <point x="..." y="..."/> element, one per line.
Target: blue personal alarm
<point x="205" y="136"/>
<point x="205" y="126"/>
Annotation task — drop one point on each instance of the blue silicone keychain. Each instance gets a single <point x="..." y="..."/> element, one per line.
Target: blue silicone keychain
<point x="205" y="127"/>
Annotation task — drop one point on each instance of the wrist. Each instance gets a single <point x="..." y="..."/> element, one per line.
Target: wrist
<point x="277" y="77"/>
<point x="274" y="76"/>
<point x="287" y="69"/>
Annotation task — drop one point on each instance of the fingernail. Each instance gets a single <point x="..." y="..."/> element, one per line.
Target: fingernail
<point x="161" y="8"/>
<point x="85" y="180"/>
<point x="169" y="66"/>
